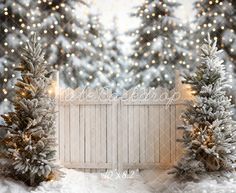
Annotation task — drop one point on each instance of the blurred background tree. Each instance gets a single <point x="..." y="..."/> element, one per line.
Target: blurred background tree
<point x="157" y="51"/>
<point x="14" y="19"/>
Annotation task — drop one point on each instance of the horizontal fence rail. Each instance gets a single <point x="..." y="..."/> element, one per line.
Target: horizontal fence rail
<point x="99" y="131"/>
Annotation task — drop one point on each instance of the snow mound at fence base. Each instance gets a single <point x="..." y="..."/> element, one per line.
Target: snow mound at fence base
<point x="79" y="182"/>
<point x="161" y="182"/>
<point x="157" y="181"/>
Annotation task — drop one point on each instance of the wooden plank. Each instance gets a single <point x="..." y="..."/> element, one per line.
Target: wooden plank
<point x="103" y="134"/>
<point x="74" y="134"/>
<point x="66" y="128"/>
<point x="114" y="136"/>
<point x="87" y="134"/>
<point x="125" y="138"/>
<point x="155" y="124"/>
<point x="120" y="130"/>
<point x="167" y="136"/>
<point x="131" y="134"/>
<point x="82" y="134"/>
<point x="163" y="143"/>
<point x="109" y="142"/>
<point x="150" y="145"/>
<point x="93" y="132"/>
<point x="109" y="132"/>
<point x="143" y="119"/>
<point x="136" y="139"/>
<point x="98" y="147"/>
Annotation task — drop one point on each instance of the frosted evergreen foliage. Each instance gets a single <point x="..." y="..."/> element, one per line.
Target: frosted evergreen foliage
<point x="28" y="145"/>
<point x="100" y="61"/>
<point x="209" y="132"/>
<point x="116" y="59"/>
<point x="56" y="22"/>
<point x="89" y="66"/>
<point x="218" y="18"/>
<point x="157" y="51"/>
<point x="60" y="28"/>
<point x="13" y="19"/>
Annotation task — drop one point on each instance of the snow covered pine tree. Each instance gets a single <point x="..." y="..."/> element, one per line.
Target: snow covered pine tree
<point x="156" y="49"/>
<point x="217" y="18"/>
<point x="90" y="68"/>
<point x="209" y="132"/>
<point x="116" y="57"/>
<point x="28" y="146"/>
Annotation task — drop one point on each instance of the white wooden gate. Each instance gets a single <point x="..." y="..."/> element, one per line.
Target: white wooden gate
<point x="99" y="131"/>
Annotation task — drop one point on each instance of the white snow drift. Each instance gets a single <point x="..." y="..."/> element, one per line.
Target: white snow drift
<point x="146" y="182"/>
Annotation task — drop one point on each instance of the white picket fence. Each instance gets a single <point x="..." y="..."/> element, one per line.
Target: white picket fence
<point x="97" y="131"/>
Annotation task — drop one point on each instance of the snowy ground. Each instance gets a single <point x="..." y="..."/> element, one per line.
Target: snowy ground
<point x="145" y="182"/>
<point x="162" y="182"/>
<point x="79" y="182"/>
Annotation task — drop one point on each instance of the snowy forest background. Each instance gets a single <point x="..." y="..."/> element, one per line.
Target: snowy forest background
<point x="115" y="44"/>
